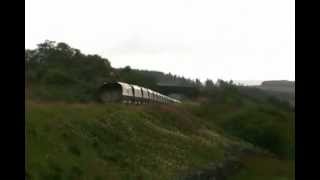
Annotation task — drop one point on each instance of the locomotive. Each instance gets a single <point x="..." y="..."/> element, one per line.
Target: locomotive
<point x="131" y="94"/>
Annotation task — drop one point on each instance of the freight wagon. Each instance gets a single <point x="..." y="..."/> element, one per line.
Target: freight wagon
<point x="132" y="94"/>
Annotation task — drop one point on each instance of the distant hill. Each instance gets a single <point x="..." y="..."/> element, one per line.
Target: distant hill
<point x="284" y="90"/>
<point x="248" y="82"/>
<point x="281" y="86"/>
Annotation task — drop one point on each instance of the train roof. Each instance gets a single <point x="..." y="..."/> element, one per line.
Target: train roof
<point x="127" y="90"/>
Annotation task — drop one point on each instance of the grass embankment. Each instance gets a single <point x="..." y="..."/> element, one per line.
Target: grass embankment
<point x="91" y="141"/>
<point x="116" y="141"/>
<point x="265" y="168"/>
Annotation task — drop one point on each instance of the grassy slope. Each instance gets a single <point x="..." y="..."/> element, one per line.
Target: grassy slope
<point x="77" y="141"/>
<point x="115" y="141"/>
<point x="265" y="168"/>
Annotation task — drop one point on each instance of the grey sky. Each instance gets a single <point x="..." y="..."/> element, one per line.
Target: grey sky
<point x="228" y="39"/>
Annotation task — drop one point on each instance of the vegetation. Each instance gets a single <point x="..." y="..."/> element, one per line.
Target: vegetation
<point x="70" y="136"/>
<point x="80" y="141"/>
<point x="55" y="71"/>
<point x="265" y="168"/>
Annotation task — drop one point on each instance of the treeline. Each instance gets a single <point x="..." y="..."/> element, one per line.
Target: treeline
<point x="56" y="71"/>
<point x="250" y="114"/>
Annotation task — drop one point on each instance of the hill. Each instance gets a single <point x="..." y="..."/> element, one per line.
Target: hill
<point x="93" y="141"/>
<point x="283" y="90"/>
<point x="71" y="136"/>
<point x="280" y="86"/>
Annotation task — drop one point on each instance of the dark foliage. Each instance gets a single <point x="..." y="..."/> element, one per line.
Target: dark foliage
<point x="60" y="72"/>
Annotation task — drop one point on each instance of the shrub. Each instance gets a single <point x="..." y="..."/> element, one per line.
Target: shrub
<point x="260" y="129"/>
<point x="56" y="77"/>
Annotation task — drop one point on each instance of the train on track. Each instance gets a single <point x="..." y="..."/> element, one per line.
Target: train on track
<point x="131" y="94"/>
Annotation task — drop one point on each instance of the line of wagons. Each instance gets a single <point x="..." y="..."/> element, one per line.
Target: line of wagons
<point x="131" y="94"/>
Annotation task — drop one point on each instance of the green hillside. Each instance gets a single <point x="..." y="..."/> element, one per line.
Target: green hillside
<point x="92" y="141"/>
<point x="282" y="90"/>
<point x="71" y="136"/>
<point x="77" y="141"/>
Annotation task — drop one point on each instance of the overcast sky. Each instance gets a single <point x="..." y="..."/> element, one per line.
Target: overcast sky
<point x="227" y="39"/>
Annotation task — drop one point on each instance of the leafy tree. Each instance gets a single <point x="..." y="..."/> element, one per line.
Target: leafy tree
<point x="127" y="69"/>
<point x="198" y="83"/>
<point x="65" y="70"/>
<point x="47" y="45"/>
<point x="209" y="84"/>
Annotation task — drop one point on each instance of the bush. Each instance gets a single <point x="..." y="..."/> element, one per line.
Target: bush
<point x="259" y="128"/>
<point x="55" y="77"/>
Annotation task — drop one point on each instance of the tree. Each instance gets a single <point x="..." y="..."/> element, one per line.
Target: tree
<point x="63" y="47"/>
<point x="209" y="84"/>
<point x="46" y="45"/>
<point x="77" y="53"/>
<point x="198" y="83"/>
<point x="28" y="54"/>
<point x="107" y="63"/>
<point x="127" y="69"/>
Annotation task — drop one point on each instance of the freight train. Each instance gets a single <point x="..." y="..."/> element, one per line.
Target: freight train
<point x="131" y="94"/>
